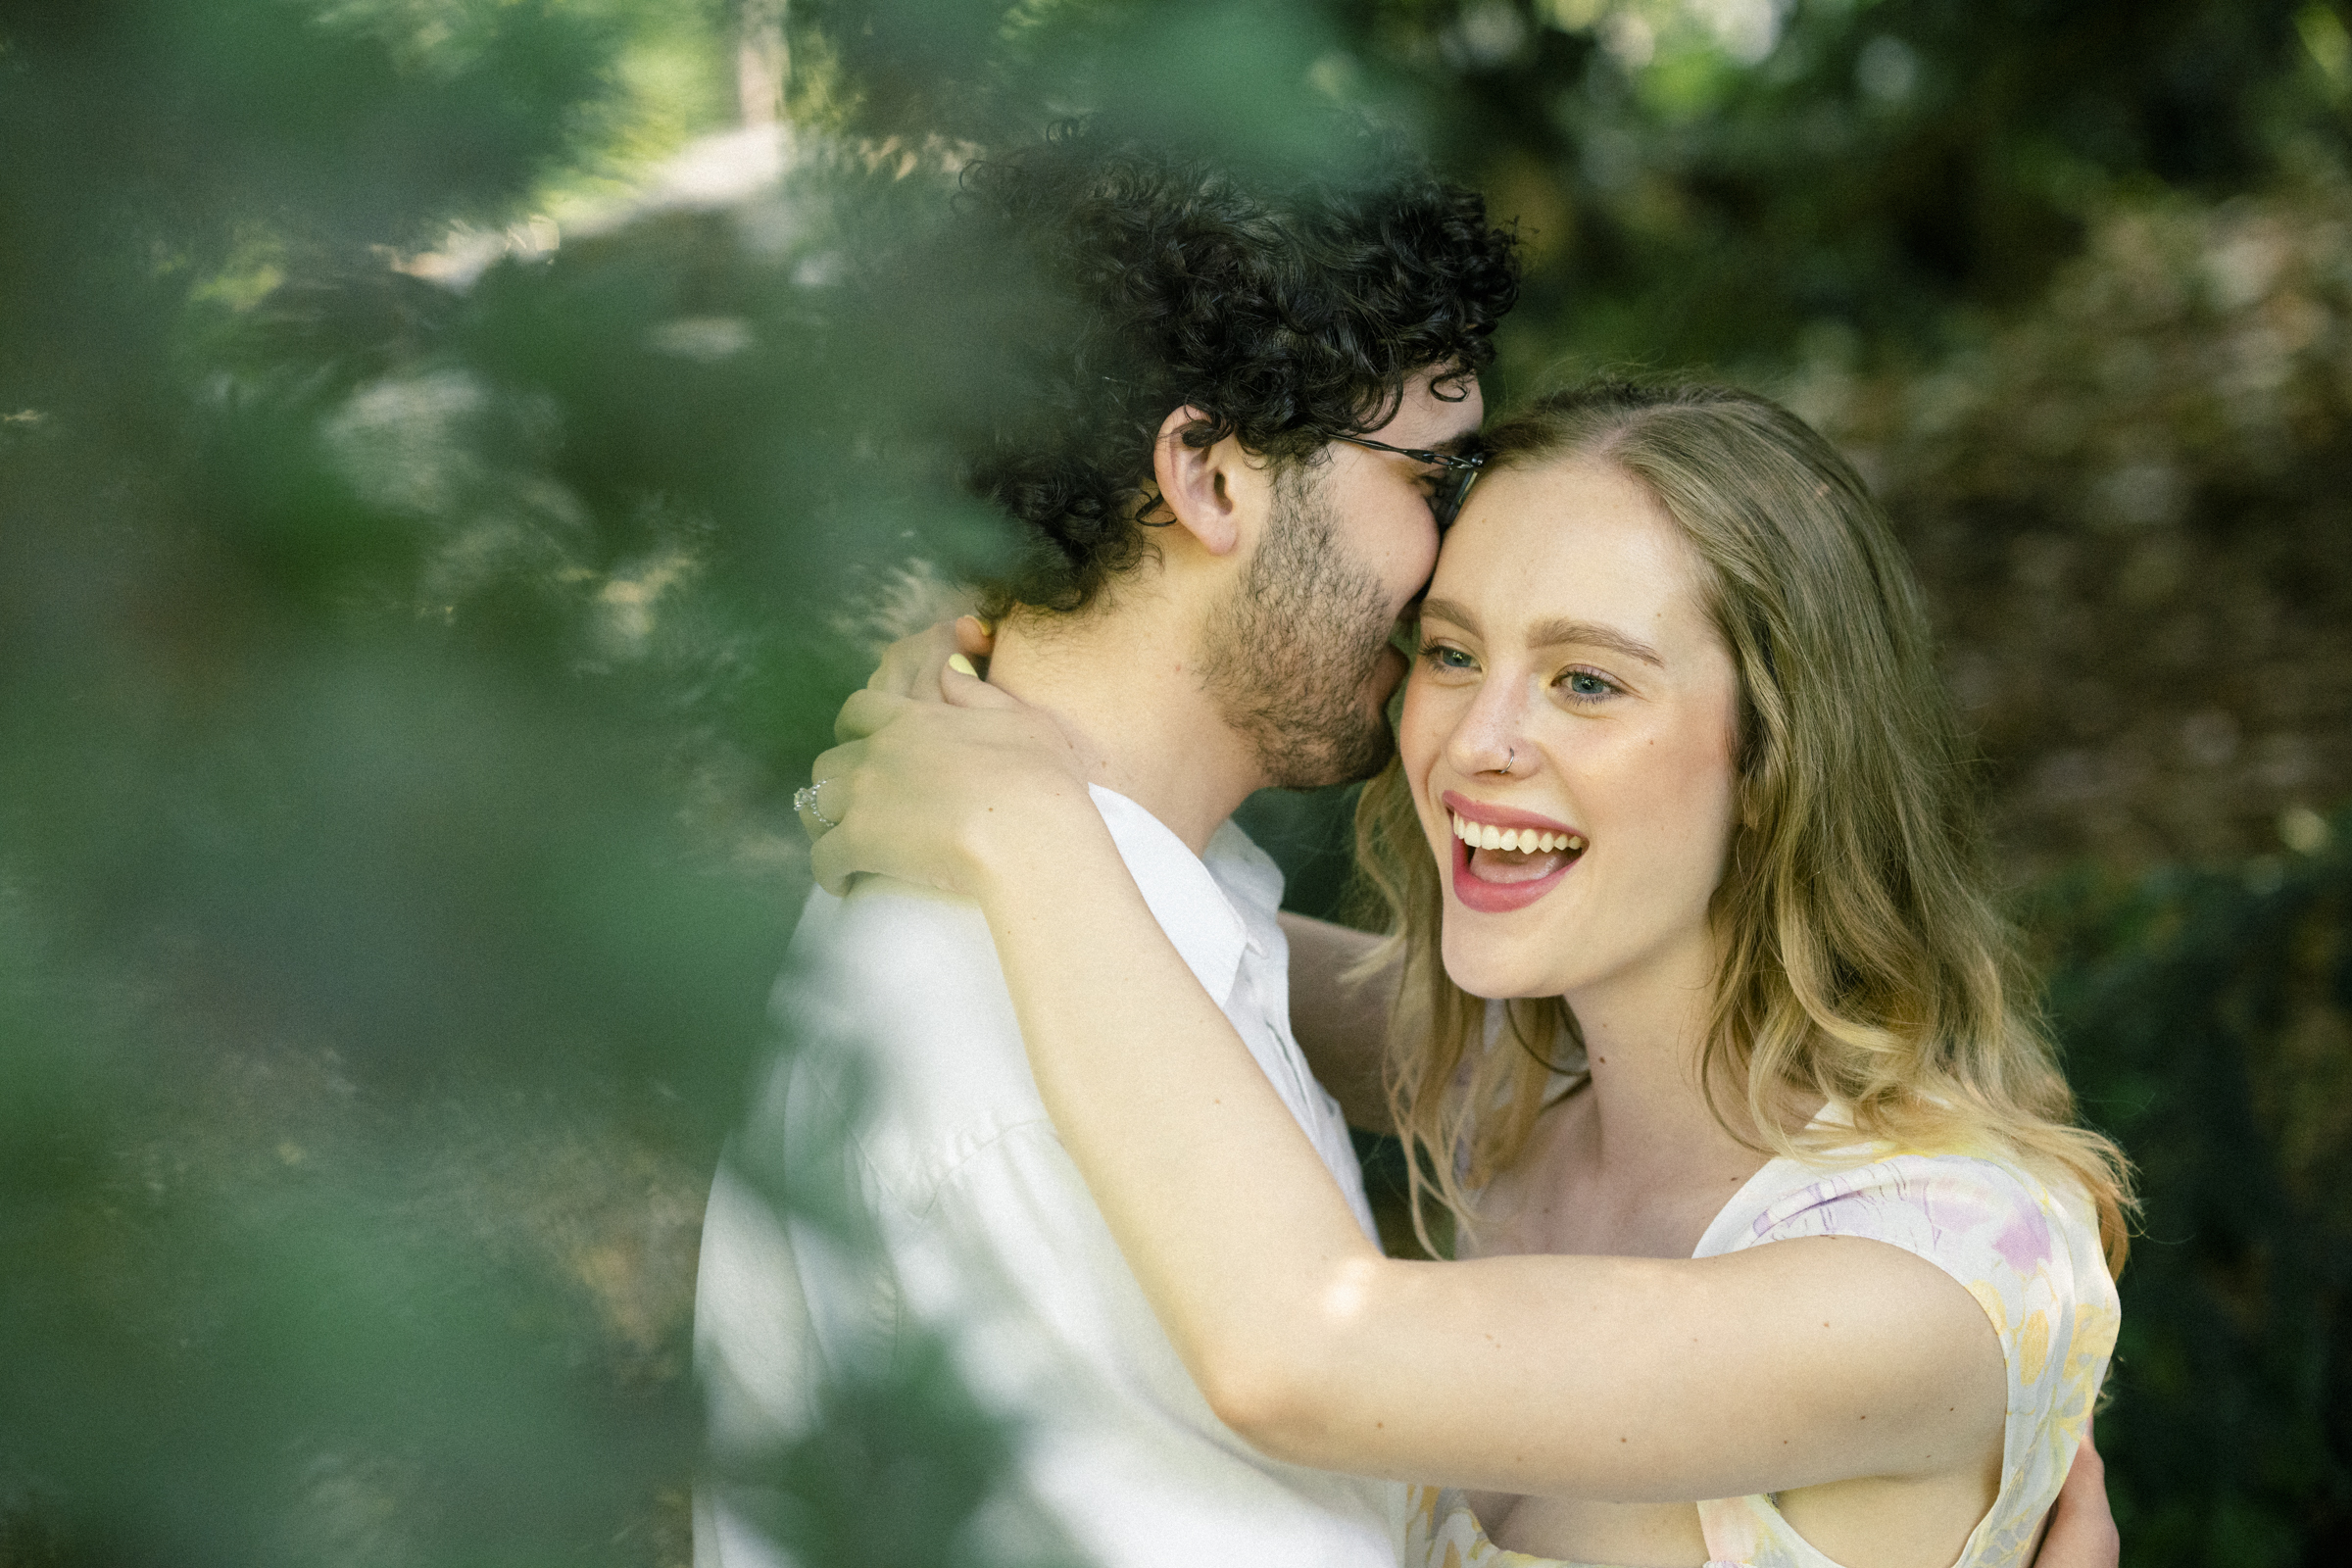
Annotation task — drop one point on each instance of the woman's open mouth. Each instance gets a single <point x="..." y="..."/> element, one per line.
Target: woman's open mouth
<point x="1499" y="866"/>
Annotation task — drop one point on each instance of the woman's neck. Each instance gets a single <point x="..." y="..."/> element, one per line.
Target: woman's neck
<point x="1641" y="1149"/>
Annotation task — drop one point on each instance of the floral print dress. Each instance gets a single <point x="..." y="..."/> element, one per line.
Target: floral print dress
<point x="2027" y="1251"/>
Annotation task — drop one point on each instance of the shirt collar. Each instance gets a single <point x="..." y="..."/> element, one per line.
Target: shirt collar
<point x="1194" y="901"/>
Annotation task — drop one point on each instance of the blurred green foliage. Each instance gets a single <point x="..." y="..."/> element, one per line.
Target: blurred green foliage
<point x="435" y="532"/>
<point x="1709" y="182"/>
<point x="2208" y="1022"/>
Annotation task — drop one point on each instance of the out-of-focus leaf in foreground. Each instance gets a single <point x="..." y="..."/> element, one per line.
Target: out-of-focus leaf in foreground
<point x="414" y="617"/>
<point x="383" y="916"/>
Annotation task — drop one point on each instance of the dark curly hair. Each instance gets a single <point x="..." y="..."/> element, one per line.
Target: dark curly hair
<point x="1290" y="309"/>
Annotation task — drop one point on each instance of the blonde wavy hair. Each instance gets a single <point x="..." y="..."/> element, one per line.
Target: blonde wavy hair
<point x="1864" y="963"/>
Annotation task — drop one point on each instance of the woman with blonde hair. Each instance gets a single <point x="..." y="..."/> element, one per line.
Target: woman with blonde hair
<point x="1776" y="1240"/>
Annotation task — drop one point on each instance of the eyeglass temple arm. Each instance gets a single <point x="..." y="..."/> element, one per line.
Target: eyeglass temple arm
<point x="1451" y="459"/>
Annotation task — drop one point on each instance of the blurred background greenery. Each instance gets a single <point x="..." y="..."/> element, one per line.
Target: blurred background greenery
<point x="455" y="453"/>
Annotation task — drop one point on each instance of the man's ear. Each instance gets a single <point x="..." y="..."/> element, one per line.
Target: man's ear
<point x="1200" y="488"/>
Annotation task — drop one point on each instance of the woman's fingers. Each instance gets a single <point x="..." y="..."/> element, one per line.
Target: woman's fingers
<point x="960" y="684"/>
<point x="2081" y="1530"/>
<point x="931" y="792"/>
<point x="803" y="806"/>
<point x="1033" y="729"/>
<point x="887" y="814"/>
<point x="832" y="863"/>
<point x="910" y="666"/>
<point x="974" y="638"/>
<point x="823" y="804"/>
<point x="836" y="763"/>
<point x="867" y="711"/>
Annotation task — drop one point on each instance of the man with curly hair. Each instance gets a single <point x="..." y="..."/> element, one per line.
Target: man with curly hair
<point x="1246" y="410"/>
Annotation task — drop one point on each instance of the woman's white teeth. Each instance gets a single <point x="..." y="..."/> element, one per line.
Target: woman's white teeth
<point x="1521" y="839"/>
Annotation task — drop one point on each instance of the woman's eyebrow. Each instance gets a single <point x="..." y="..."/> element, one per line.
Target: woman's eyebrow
<point x="1553" y="633"/>
<point x="1453" y="615"/>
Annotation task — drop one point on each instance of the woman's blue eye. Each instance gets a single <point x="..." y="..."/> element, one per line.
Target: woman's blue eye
<point x="1443" y="658"/>
<point x="1581" y="683"/>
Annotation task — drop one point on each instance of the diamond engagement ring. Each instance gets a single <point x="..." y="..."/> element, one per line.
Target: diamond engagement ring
<point x="804" y="799"/>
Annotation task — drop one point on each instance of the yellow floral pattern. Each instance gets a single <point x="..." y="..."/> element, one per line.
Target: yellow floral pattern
<point x="2029" y="1254"/>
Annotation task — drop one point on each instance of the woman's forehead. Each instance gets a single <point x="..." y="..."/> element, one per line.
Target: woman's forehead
<point x="1572" y="538"/>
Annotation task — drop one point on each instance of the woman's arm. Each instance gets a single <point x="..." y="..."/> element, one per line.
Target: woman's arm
<point x="1340" y="1022"/>
<point x="1632" y="1379"/>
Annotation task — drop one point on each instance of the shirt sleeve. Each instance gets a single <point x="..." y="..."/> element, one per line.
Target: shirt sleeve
<point x="909" y="1111"/>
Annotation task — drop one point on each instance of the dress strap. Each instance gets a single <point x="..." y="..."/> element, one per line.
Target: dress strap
<point x="1729" y="1527"/>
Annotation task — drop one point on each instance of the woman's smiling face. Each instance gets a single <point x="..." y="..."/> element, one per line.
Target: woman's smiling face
<point x="1571" y="691"/>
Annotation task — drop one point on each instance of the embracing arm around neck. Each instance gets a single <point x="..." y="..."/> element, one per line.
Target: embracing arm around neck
<point x="1632" y="1379"/>
<point x="1615" y="1378"/>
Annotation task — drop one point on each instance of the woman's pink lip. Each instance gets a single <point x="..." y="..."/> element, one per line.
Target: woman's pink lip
<point x="1474" y="892"/>
<point x="1502" y="815"/>
<point x="1499" y="897"/>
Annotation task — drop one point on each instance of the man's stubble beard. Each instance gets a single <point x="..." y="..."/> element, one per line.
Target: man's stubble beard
<point x="1290" y="658"/>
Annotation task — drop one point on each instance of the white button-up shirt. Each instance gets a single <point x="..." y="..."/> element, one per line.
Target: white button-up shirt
<point x="911" y="1094"/>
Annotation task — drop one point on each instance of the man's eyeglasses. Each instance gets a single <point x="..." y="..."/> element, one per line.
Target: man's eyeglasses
<point x="1451" y="485"/>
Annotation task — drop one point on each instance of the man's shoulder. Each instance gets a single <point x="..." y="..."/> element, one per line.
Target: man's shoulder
<point x="891" y="946"/>
<point x="895" y="1014"/>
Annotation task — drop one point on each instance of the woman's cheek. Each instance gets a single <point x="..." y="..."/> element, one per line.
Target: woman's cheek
<point x="1419" y="732"/>
<point x="1416" y="754"/>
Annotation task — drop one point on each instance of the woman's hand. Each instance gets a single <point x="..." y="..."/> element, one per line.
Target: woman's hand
<point x="2082" y="1530"/>
<point x="912" y="665"/>
<point x="951" y="794"/>
<point x="915" y="667"/>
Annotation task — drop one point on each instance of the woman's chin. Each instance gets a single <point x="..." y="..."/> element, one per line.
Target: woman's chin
<point x="1478" y="968"/>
